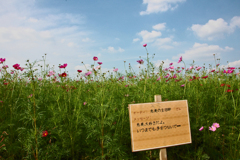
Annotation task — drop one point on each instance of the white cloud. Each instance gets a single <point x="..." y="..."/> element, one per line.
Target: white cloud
<point x="149" y="36"/>
<point x="215" y="29"/>
<point x="72" y="44"/>
<point x="235" y="22"/>
<point x="160" y="26"/>
<point x="117" y="39"/>
<point x="155" y="6"/>
<point x="202" y="52"/>
<point x="82" y="67"/>
<point x="234" y="64"/>
<point x="136" y="39"/>
<point x="87" y="40"/>
<point x="165" y="43"/>
<point x="37" y="29"/>
<point x="85" y="55"/>
<point x="113" y="50"/>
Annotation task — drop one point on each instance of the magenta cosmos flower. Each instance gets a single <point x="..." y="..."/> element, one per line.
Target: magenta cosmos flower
<point x="170" y="64"/>
<point x="95" y="58"/>
<point x="180" y="59"/>
<point x="99" y="63"/>
<point x="63" y="66"/>
<point x="2" y="60"/>
<point x="144" y="45"/>
<point x="115" y="70"/>
<point x="201" y="128"/>
<point x="5" y="67"/>
<point x="140" y="61"/>
<point x="17" y="66"/>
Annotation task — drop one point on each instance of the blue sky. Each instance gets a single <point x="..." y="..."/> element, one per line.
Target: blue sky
<point x="72" y="31"/>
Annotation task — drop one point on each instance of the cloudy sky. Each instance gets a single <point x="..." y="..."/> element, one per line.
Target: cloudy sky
<point x="72" y="31"/>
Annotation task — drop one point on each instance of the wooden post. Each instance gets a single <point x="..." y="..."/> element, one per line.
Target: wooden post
<point x="163" y="151"/>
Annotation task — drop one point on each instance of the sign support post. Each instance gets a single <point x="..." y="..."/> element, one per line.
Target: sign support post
<point x="163" y="151"/>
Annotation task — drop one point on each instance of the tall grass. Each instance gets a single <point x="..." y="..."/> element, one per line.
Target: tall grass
<point x="47" y="115"/>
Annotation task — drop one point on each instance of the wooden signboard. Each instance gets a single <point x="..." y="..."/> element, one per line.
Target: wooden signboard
<point x="159" y="124"/>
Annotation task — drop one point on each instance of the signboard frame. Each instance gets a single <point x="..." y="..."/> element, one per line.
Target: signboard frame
<point x="183" y="110"/>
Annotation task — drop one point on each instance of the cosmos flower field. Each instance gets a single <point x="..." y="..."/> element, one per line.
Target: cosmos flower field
<point x="47" y="115"/>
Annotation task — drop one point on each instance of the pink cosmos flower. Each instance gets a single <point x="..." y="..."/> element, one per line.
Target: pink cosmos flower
<point x="51" y="73"/>
<point x="158" y="78"/>
<point x="88" y="73"/>
<point x="180" y="59"/>
<point x="198" y="68"/>
<point x="166" y="69"/>
<point x="5" y="67"/>
<point x="183" y="85"/>
<point x="171" y="70"/>
<point x="172" y="67"/>
<point x="216" y="125"/>
<point x="213" y="70"/>
<point x="98" y="67"/>
<point x="170" y="64"/>
<point x="212" y="128"/>
<point x="166" y="76"/>
<point x="182" y="67"/>
<point x="201" y="128"/>
<point x="191" y="67"/>
<point x="178" y="71"/>
<point x="140" y="61"/>
<point x="174" y="76"/>
<point x="99" y="63"/>
<point x="121" y="77"/>
<point x="144" y="45"/>
<point x="95" y="58"/>
<point x="217" y="64"/>
<point x="84" y="103"/>
<point x="115" y="70"/>
<point x="39" y="79"/>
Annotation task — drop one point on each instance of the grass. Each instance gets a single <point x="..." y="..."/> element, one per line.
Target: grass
<point x="87" y="118"/>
